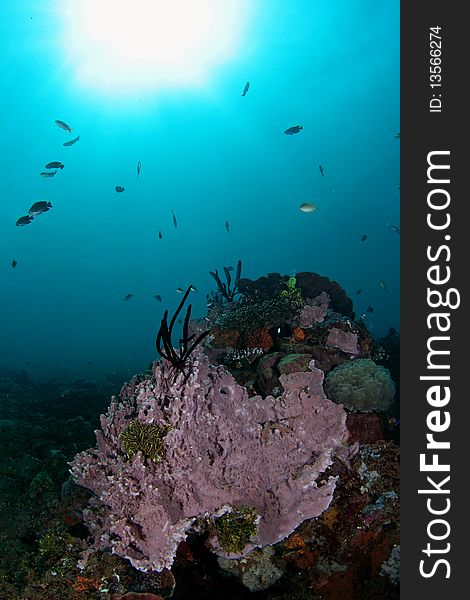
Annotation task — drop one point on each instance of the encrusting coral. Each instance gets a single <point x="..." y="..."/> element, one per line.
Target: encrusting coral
<point x="222" y="449"/>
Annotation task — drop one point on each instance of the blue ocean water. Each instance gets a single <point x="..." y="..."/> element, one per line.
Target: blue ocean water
<point x="211" y="156"/>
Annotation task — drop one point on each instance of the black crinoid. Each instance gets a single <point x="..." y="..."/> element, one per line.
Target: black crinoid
<point x="224" y="288"/>
<point x="187" y="343"/>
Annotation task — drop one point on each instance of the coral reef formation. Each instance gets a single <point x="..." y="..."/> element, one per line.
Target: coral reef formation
<point x="361" y="385"/>
<point x="222" y="449"/>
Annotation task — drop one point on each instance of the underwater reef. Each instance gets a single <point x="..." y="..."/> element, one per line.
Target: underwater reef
<point x="259" y="455"/>
<point x="223" y="449"/>
<point x="240" y="445"/>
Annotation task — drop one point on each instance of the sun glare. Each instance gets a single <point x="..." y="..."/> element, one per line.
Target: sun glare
<point x="130" y="46"/>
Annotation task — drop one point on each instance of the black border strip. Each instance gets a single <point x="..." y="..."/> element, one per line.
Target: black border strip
<point x="423" y="412"/>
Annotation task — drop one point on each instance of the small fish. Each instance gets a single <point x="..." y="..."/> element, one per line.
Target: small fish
<point x="158" y="297"/>
<point x="71" y="142"/>
<point x="14" y="263"/>
<point x="119" y="189"/>
<point x="321" y="170"/>
<point x="39" y="207"/>
<point x="26" y="220"/>
<point x="229" y="268"/>
<point x="160" y="235"/>
<point x="246" y="88"/>
<point x="48" y="173"/>
<point x="139" y="166"/>
<point x="370" y="309"/>
<point x="54" y="165"/>
<point x="292" y="130"/>
<point x="210" y="305"/>
<point x="382" y="285"/>
<point x="395" y="229"/>
<point x="180" y="290"/>
<point x="308" y="207"/>
<point x="363" y="238"/>
<point x="175" y="222"/>
<point x="63" y="125"/>
<point x="358" y="291"/>
<point x="194" y="289"/>
<point x="397" y="136"/>
<point x="127" y="297"/>
<point x="227" y="226"/>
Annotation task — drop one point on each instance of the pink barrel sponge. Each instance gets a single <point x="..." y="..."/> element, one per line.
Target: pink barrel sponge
<point x="222" y="449"/>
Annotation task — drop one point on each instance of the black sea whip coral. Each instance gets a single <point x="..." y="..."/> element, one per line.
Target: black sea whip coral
<point x="164" y="344"/>
<point x="224" y="288"/>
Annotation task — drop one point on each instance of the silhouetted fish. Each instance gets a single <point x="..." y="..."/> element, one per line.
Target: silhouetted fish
<point x="393" y="227"/>
<point x="26" y="220"/>
<point x="48" y="173"/>
<point x="54" y="165"/>
<point x="158" y="297"/>
<point x="139" y="166"/>
<point x="292" y="130"/>
<point x="382" y="285"/>
<point x="160" y="235"/>
<point x="358" y="291"/>
<point x="227" y="225"/>
<point x="370" y="309"/>
<point x="175" y="222"/>
<point x="39" y="207"/>
<point x="363" y="238"/>
<point x="321" y="170"/>
<point x="127" y="297"/>
<point x="14" y="263"/>
<point x="246" y="88"/>
<point x="119" y="189"/>
<point x="71" y="142"/>
<point x="63" y="125"/>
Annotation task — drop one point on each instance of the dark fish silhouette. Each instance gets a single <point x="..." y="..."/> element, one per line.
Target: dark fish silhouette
<point x="370" y="309"/>
<point x="119" y="189"/>
<point x="393" y="227"/>
<point x="63" y="125"/>
<point x="127" y="297"/>
<point x="48" y="173"/>
<point x="54" y="165"/>
<point x="39" y="207"/>
<point x="246" y="88"/>
<point x="160" y="235"/>
<point x="363" y="238"/>
<point x="321" y="170"/>
<point x="14" y="263"/>
<point x="71" y="142"/>
<point x="26" y="220"/>
<point x="292" y="130"/>
<point x="358" y="291"/>
<point x="158" y="297"/>
<point x="227" y="225"/>
<point x="175" y="222"/>
<point x="139" y="166"/>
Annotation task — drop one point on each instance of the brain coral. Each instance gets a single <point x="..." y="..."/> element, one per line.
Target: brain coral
<point x="361" y="385"/>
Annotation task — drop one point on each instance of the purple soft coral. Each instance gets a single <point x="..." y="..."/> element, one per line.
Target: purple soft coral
<point x="224" y="449"/>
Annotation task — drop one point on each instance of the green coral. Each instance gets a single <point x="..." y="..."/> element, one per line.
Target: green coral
<point x="236" y="528"/>
<point x="147" y="438"/>
<point x="361" y="385"/>
<point x="291" y="283"/>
